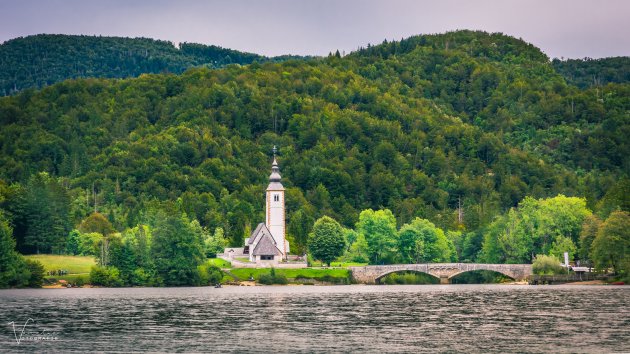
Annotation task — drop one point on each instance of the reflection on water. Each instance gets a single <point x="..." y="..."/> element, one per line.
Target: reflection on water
<point x="471" y="318"/>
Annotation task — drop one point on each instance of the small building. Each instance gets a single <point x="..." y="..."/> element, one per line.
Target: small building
<point x="267" y="245"/>
<point x="261" y="246"/>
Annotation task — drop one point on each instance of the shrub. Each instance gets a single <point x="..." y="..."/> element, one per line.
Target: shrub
<point x="36" y="270"/>
<point x="280" y="279"/>
<point x="272" y="278"/>
<point x="266" y="279"/>
<point x="546" y="265"/>
<point x="140" y="277"/>
<point x="80" y="281"/>
<point x="209" y="274"/>
<point x="99" y="275"/>
<point x="114" y="277"/>
<point x="105" y="276"/>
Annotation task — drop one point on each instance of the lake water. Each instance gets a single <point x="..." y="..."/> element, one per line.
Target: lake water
<point x="413" y="318"/>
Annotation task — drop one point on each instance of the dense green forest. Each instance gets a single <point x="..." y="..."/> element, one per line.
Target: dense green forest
<point x="587" y="72"/>
<point x="41" y="60"/>
<point x="468" y="133"/>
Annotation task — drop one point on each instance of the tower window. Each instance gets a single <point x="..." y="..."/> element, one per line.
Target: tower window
<point x="276" y="198"/>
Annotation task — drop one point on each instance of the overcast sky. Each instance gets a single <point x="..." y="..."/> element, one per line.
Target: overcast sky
<point x="561" y="28"/>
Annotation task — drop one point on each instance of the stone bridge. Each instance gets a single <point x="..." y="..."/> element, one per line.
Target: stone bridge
<point x="443" y="271"/>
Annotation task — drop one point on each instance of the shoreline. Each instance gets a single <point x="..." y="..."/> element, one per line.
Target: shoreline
<point x="254" y="284"/>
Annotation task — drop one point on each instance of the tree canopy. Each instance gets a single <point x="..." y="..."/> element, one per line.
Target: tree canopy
<point x="476" y="133"/>
<point x="326" y="241"/>
<point x="611" y="247"/>
<point x="176" y="250"/>
<point x="41" y="60"/>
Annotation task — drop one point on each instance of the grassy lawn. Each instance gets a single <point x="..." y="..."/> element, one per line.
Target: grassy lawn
<point x="73" y="264"/>
<point x="221" y="263"/>
<point x="309" y="273"/>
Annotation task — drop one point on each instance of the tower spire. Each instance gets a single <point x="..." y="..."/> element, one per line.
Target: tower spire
<point x="275" y="170"/>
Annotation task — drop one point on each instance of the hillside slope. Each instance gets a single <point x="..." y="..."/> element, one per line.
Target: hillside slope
<point x="587" y="72"/>
<point x="41" y="60"/>
<point x="508" y="87"/>
<point x="421" y="126"/>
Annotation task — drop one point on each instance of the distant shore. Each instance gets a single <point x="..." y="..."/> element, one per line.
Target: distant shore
<point x="253" y="283"/>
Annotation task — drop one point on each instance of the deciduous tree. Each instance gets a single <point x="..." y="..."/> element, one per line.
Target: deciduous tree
<point x="379" y="229"/>
<point x="611" y="247"/>
<point x="326" y="242"/>
<point x="590" y="227"/>
<point x="176" y="249"/>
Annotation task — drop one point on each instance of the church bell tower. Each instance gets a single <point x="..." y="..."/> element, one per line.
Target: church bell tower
<point x="275" y="209"/>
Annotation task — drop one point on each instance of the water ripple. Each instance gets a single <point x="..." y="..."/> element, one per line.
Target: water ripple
<point x="454" y="318"/>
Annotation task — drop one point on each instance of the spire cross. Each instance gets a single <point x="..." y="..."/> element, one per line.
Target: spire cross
<point x="274" y="151"/>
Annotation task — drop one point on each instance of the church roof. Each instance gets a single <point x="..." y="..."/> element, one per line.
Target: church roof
<point x="275" y="186"/>
<point x="274" y="177"/>
<point x="252" y="238"/>
<point x="266" y="247"/>
<point x="275" y="172"/>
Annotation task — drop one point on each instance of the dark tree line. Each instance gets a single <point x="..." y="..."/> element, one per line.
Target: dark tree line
<point x="587" y="72"/>
<point x="42" y="60"/>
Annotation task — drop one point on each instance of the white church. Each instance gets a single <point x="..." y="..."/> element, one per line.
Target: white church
<point x="267" y="245"/>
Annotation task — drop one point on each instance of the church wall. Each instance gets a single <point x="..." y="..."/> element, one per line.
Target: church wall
<point x="275" y="217"/>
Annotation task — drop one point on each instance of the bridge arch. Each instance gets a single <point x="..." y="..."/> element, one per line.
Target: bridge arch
<point x="505" y="272"/>
<point x="481" y="275"/>
<point x="377" y="280"/>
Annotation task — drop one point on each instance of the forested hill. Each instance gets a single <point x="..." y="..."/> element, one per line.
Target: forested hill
<point x="41" y="60"/>
<point x="506" y="86"/>
<point x="422" y="127"/>
<point x="587" y="72"/>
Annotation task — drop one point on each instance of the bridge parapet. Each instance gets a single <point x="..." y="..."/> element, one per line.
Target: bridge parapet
<point x="443" y="271"/>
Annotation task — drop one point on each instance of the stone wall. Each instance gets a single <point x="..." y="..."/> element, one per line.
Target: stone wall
<point x="232" y="252"/>
<point x="292" y="265"/>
